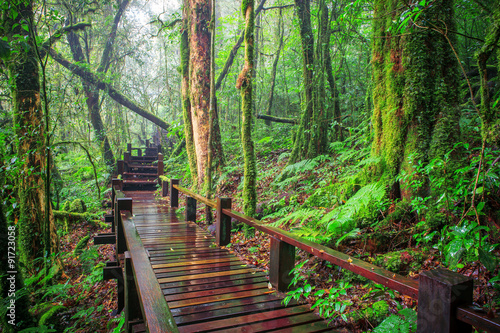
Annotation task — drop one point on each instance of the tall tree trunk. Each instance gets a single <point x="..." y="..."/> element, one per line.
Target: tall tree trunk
<point x="319" y="126"/>
<point x="244" y="83"/>
<point x="199" y="88"/>
<point x="281" y="32"/>
<point x="199" y="81"/>
<point x="415" y="93"/>
<point x="186" y="102"/>
<point x="30" y="131"/>
<point x="490" y="114"/>
<point x="303" y="135"/>
<point x="334" y="91"/>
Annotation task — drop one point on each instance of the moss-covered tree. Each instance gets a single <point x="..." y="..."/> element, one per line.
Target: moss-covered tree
<point x="311" y="136"/>
<point x="415" y="90"/>
<point x="244" y="83"/>
<point x="35" y="225"/>
<point x="186" y="102"/>
<point x="490" y="108"/>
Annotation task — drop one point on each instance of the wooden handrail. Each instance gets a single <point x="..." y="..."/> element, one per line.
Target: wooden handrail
<point x="154" y="307"/>
<point x="480" y="321"/>
<point x="389" y="279"/>
<point x="208" y="202"/>
<point x="397" y="282"/>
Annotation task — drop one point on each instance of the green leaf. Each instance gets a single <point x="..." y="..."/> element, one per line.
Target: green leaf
<point x="4" y="49"/>
<point x="455" y="250"/>
<point x="488" y="260"/>
<point x="479" y="190"/>
<point x="480" y="207"/>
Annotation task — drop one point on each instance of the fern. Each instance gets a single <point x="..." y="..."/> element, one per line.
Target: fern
<point x="299" y="168"/>
<point x="301" y="214"/>
<point x="404" y="322"/>
<point x="314" y="234"/>
<point x="343" y="218"/>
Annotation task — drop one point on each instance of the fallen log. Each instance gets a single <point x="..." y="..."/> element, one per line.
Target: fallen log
<point x="277" y="119"/>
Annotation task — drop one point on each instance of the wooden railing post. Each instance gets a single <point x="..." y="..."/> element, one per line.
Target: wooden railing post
<point x="223" y="227"/>
<point x="190" y="209"/>
<point x="129" y="147"/>
<point x="127" y="156"/>
<point x="282" y="261"/>
<point x="120" y="169"/>
<point x="132" y="310"/>
<point x="147" y="143"/>
<point x="164" y="188"/>
<point x="139" y="152"/>
<point x="174" y="193"/>
<point x="440" y="292"/>
<point x="115" y="182"/>
<point x="121" y="204"/>
<point x="160" y="166"/>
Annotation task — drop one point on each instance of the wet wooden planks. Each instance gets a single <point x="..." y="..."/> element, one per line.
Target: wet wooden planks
<point x="208" y="289"/>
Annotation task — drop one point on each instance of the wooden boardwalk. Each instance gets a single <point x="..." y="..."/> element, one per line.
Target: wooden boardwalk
<point x="208" y="289"/>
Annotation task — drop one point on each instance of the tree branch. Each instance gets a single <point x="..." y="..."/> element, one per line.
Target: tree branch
<point x="103" y="85"/>
<point x="58" y="34"/>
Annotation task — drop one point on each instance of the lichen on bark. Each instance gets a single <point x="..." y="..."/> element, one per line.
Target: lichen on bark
<point x="415" y="92"/>
<point x="245" y="86"/>
<point x="186" y="103"/>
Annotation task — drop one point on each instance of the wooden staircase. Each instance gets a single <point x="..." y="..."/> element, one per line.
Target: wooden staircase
<point x="140" y="172"/>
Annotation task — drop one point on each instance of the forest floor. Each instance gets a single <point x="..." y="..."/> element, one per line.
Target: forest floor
<point x="88" y="300"/>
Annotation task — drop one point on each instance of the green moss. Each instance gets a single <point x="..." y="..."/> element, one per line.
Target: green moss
<point x="400" y="262"/>
<point x="65" y="206"/>
<point x="250" y="166"/>
<point x="49" y="318"/>
<point x="434" y="220"/>
<point x="77" y="206"/>
<point x="401" y="211"/>
<point x="374" y="314"/>
<point x="82" y="243"/>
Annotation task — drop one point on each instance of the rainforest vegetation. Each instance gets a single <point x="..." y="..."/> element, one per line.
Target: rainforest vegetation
<point x="372" y="127"/>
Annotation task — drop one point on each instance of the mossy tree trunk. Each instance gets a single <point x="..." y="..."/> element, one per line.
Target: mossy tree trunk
<point x="303" y="135"/>
<point x="244" y="83"/>
<point x="30" y="130"/>
<point x="280" y="33"/>
<point x="311" y="136"/>
<point x="333" y="86"/>
<point x="489" y="112"/>
<point x="321" y="108"/>
<point x="186" y="102"/>
<point x="415" y="95"/>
